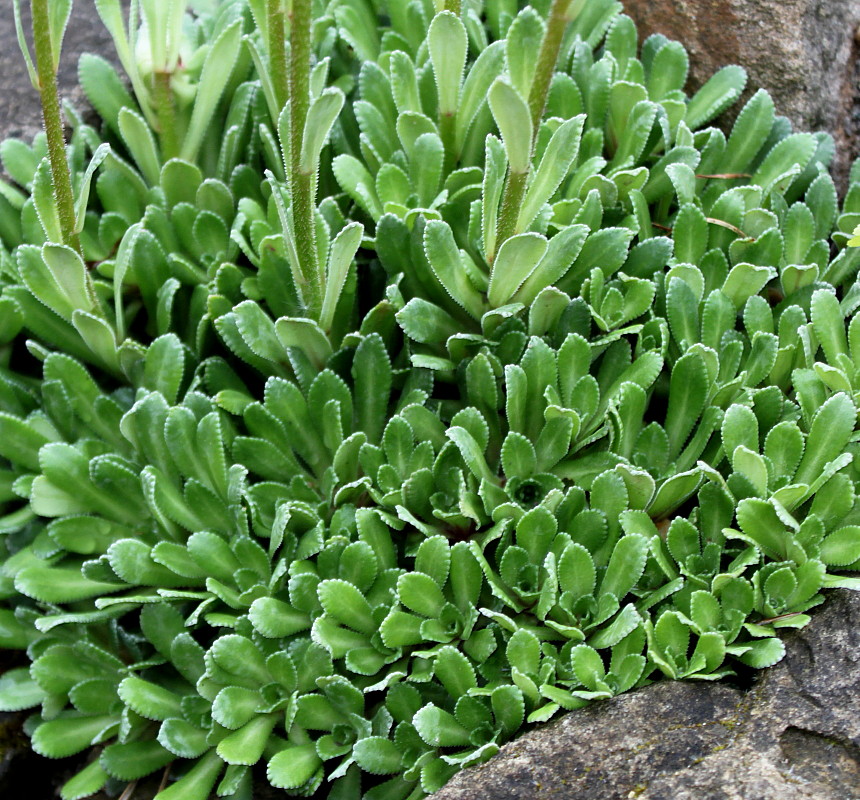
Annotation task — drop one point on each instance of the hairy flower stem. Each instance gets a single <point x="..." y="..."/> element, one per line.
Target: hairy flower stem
<point x="166" y="113"/>
<point x="302" y="183"/>
<point x="60" y="175"/>
<point x="515" y="184"/>
<point x="512" y="200"/>
<point x="547" y="58"/>
<point x="453" y="6"/>
<point x="276" y="46"/>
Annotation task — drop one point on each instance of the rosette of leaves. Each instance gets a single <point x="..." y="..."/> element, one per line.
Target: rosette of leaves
<point x="111" y="687"/>
<point x="180" y="67"/>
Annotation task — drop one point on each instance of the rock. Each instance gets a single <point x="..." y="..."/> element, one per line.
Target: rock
<point x="20" y="112"/>
<point x="794" y="735"/>
<point x="804" y="52"/>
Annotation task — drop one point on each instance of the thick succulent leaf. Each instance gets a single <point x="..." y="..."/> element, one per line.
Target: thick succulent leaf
<point x="66" y="736"/>
<point x="18" y="690"/>
<point x="718" y="93"/>
<point x="514" y="121"/>
<point x="219" y="64"/>
<point x="447" y="46"/>
<point x="293" y="767"/>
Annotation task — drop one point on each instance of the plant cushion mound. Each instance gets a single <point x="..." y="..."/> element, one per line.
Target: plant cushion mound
<point x="506" y="384"/>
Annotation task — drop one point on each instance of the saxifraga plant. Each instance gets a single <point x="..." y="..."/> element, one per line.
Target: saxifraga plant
<point x="422" y="371"/>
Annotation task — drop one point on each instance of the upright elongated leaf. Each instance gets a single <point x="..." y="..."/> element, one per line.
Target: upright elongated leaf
<point x="447" y="44"/>
<point x="219" y="64"/>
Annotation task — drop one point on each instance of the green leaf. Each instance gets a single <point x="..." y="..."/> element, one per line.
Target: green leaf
<point x="750" y="132"/>
<point x="426" y="323"/>
<point x="763" y="653"/>
<point x="377" y="755"/>
<point x="217" y="68"/>
<point x="829" y="325"/>
<point x="447" y="264"/>
<point x="759" y="520"/>
<point x="718" y="93"/>
<point x="472" y="453"/>
<point x="246" y="745"/>
<point x="23" y="46"/>
<point x="674" y="491"/>
<point x="688" y="395"/>
<point x="626" y="565"/>
<point x="66" y="736"/>
<point x="60" y="584"/>
<point x="455" y="672"/>
<point x="87" y="782"/>
<point x="794" y="150"/>
<point x="138" y="138"/>
<point x="828" y="435"/>
<point x="99" y="337"/>
<point x="19" y="442"/>
<point x="518" y="456"/>
<point x="842" y="547"/>
<point x="439" y="728"/>
<point x="516" y="260"/>
<point x="356" y="181"/>
<point x="182" y="738"/>
<point x="512" y="117"/>
<point x="303" y="334"/>
<point x="165" y="366"/>
<point x="198" y="782"/>
<point x="130" y="761"/>
<point x="508" y="708"/>
<point x="485" y="69"/>
<point x="275" y="619"/>
<point x="345" y="603"/>
<point x="322" y="114"/>
<point x="371" y="371"/>
<point x="18" y="690"/>
<point x="420" y="593"/>
<point x="523" y="652"/>
<point x="555" y="163"/>
<point x="560" y="255"/>
<point x="341" y="254"/>
<point x="523" y="42"/>
<point x="241" y="658"/>
<point x="293" y="766"/>
<point x="447" y="44"/>
<point x="495" y="169"/>
<point x="588" y="667"/>
<point x="148" y="699"/>
<point x="180" y="180"/>
<point x="101" y="153"/>
<point x="668" y="71"/>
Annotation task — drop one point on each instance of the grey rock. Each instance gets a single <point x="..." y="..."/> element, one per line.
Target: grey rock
<point x="20" y="112"/>
<point x="804" y="52"/>
<point x="794" y="735"/>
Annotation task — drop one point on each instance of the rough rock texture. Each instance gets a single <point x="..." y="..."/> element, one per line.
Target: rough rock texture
<point x="20" y="113"/>
<point x="795" y="735"/>
<point x="804" y="52"/>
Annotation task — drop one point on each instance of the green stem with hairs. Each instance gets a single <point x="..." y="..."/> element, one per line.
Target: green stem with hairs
<point x="515" y="184"/>
<point x="512" y="200"/>
<point x="276" y="45"/>
<point x="303" y="184"/>
<point x="547" y="58"/>
<point x="453" y="6"/>
<point x="60" y="174"/>
<point x="166" y="113"/>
